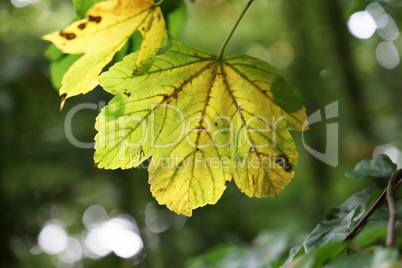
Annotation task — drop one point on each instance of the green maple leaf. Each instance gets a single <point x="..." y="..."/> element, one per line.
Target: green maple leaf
<point x="204" y="121"/>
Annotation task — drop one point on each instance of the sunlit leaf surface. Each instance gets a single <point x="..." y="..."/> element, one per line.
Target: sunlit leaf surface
<point x="204" y="121"/>
<point x="104" y="31"/>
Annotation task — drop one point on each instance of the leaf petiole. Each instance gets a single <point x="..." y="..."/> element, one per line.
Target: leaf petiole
<point x="159" y="3"/>
<point x="220" y="55"/>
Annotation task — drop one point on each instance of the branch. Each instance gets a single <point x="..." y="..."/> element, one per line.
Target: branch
<point x="396" y="177"/>
<point x="397" y="174"/>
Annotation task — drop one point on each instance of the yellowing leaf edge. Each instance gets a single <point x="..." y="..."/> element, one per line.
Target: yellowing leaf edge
<point x="244" y="181"/>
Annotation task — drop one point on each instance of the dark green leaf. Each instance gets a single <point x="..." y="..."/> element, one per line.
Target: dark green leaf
<point x="356" y="260"/>
<point x="327" y="231"/>
<point x="327" y="252"/>
<point x="319" y="257"/>
<point x="59" y="68"/>
<point x="228" y="256"/>
<point x="265" y="251"/>
<point x="358" y="199"/>
<point x="133" y="44"/>
<point x="371" y="234"/>
<point x="53" y="53"/>
<point x="175" y="20"/>
<point x="338" y="221"/>
<point x="175" y="13"/>
<point x="286" y="95"/>
<point x="373" y="197"/>
<point x="381" y="167"/>
<point x="383" y="214"/>
<point x="294" y="253"/>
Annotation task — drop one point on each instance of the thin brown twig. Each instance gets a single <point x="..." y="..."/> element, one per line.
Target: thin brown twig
<point x="363" y="220"/>
<point x="376" y="205"/>
<point x="397" y="175"/>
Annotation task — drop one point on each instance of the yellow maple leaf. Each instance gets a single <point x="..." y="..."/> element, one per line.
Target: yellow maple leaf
<point x="203" y="120"/>
<point x="103" y="32"/>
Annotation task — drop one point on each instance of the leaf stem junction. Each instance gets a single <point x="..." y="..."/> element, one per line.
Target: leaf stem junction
<point x="159" y="3"/>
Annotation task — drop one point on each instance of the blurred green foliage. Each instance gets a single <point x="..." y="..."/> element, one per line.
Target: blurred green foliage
<point x="380" y="167"/>
<point x="44" y="177"/>
<point x="325" y="246"/>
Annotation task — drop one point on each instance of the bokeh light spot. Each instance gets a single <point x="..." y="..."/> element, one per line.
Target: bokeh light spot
<point x="115" y="235"/>
<point x="387" y="55"/>
<point x="94" y="215"/>
<point x="157" y="221"/>
<point x="72" y="253"/>
<point x="282" y="53"/>
<point x="361" y="25"/>
<point x="22" y="3"/>
<point x="93" y="244"/>
<point x="387" y="28"/>
<point x="126" y="244"/>
<point x="390" y="150"/>
<point x="53" y="238"/>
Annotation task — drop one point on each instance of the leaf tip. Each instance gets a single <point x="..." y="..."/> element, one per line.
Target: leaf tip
<point x="48" y="37"/>
<point x="305" y="126"/>
<point x="63" y="100"/>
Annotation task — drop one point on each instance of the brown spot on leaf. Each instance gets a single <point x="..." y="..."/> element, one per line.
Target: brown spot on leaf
<point x="68" y="36"/>
<point x="283" y="161"/>
<point x="95" y="19"/>
<point x="82" y="26"/>
<point x="63" y="97"/>
<point x="226" y="182"/>
<point x="128" y="94"/>
<point x="96" y="165"/>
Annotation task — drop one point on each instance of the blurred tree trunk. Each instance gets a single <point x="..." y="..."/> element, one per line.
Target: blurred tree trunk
<point x="323" y="43"/>
<point x="348" y="70"/>
<point x="303" y="17"/>
<point x="7" y="256"/>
